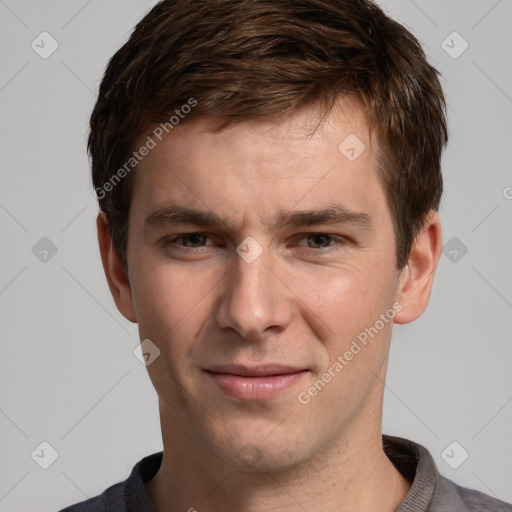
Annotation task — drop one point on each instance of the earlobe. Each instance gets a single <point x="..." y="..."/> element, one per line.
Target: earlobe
<point x="417" y="277"/>
<point x="117" y="277"/>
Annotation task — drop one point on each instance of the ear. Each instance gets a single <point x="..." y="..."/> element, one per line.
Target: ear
<point x="417" y="276"/>
<point x="117" y="277"/>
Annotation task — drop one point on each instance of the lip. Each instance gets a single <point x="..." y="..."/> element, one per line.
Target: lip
<point x="262" y="370"/>
<point x="255" y="383"/>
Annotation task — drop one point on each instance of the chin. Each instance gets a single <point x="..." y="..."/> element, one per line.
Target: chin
<point x="261" y="455"/>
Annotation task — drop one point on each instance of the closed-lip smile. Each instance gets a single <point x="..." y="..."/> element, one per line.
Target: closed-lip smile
<point x="258" y="382"/>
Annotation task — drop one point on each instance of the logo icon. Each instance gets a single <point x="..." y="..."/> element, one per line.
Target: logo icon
<point x="146" y="352"/>
<point x="44" y="250"/>
<point x="352" y="147"/>
<point x="454" y="455"/>
<point x="454" y="45"/>
<point x="44" y="455"/>
<point x="249" y="249"/>
<point x="454" y="250"/>
<point x="44" y="45"/>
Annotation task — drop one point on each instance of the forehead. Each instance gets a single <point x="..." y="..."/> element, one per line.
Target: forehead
<point x="263" y="166"/>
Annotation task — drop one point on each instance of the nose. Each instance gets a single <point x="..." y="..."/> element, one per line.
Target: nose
<point x="255" y="301"/>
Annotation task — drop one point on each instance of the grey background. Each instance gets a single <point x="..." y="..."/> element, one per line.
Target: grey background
<point x="68" y="373"/>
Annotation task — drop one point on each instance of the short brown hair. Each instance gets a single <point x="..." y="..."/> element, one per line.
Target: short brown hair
<point x="264" y="59"/>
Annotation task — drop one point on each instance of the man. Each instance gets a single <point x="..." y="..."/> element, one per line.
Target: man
<point x="268" y="174"/>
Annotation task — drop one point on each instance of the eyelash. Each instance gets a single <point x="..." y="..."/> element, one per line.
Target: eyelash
<point x="333" y="238"/>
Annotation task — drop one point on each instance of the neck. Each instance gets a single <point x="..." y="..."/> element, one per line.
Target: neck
<point x="353" y="475"/>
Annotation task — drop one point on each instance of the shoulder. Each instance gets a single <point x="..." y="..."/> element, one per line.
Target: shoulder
<point x="124" y="496"/>
<point x="111" y="500"/>
<point x="450" y="497"/>
<point x="431" y="491"/>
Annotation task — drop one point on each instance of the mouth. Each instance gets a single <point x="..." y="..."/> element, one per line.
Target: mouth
<point x="255" y="382"/>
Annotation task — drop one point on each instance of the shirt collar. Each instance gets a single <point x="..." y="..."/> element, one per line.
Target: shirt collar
<point x="412" y="460"/>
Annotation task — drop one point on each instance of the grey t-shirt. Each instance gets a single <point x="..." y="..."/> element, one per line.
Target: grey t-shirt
<point x="430" y="492"/>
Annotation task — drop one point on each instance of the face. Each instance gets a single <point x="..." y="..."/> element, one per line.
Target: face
<point x="257" y="257"/>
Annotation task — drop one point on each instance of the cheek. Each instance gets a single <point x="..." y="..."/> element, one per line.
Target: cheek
<point x="347" y="299"/>
<point x="166" y="295"/>
<point x="358" y="340"/>
<point x="172" y="306"/>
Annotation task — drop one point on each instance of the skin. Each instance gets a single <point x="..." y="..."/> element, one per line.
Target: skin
<point x="301" y="303"/>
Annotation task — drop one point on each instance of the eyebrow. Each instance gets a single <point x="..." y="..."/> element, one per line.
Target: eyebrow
<point x="334" y="214"/>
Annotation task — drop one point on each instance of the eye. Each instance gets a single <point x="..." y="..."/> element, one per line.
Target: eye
<point x="318" y="240"/>
<point x="192" y="240"/>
